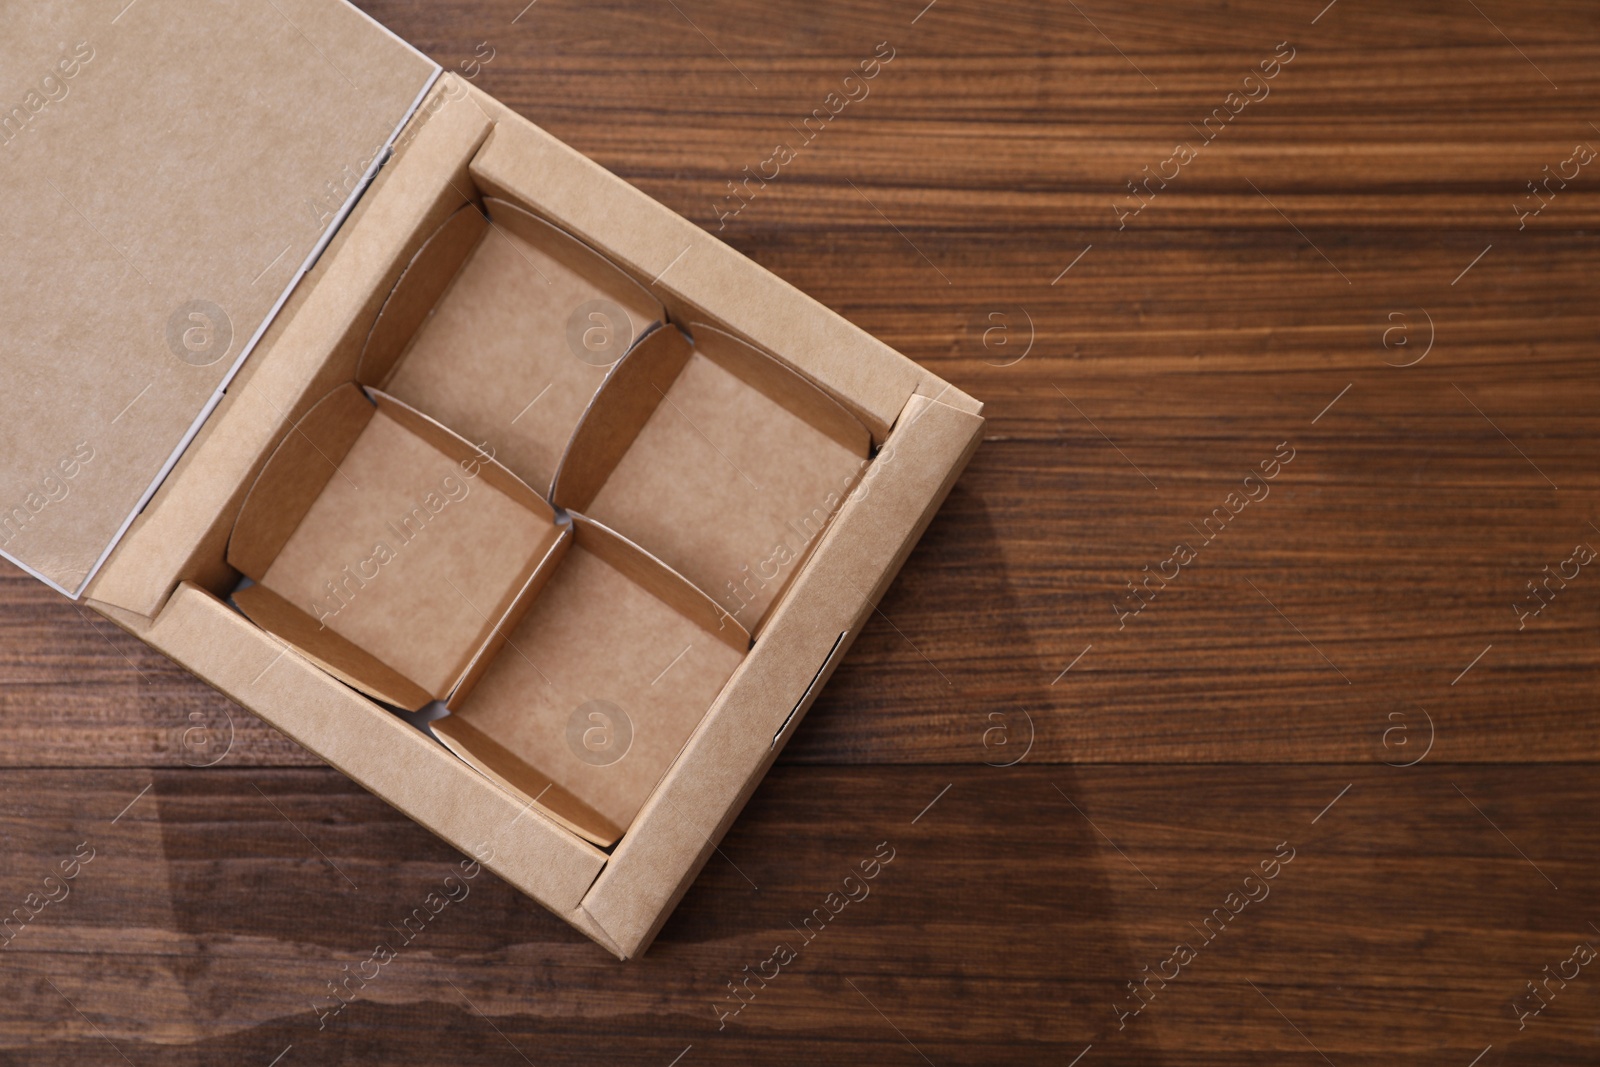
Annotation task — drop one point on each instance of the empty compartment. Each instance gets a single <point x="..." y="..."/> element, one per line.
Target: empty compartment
<point x="390" y="551"/>
<point x="503" y="327"/>
<point x="600" y="686"/>
<point x="717" y="458"/>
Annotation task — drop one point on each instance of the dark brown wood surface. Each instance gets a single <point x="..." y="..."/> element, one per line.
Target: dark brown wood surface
<point x="1359" y="217"/>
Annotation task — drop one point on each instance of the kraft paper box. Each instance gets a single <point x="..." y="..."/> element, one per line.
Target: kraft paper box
<point x="520" y="499"/>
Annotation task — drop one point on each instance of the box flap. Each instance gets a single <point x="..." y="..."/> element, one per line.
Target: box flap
<point x="168" y="171"/>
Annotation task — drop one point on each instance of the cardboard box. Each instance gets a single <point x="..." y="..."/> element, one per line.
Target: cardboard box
<point x="513" y="442"/>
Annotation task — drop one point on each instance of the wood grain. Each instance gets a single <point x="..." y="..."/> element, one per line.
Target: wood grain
<point x="1013" y="913"/>
<point x="1359" y="617"/>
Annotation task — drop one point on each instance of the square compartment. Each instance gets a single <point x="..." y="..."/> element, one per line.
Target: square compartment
<point x="599" y="686"/>
<point x="390" y="551"/>
<point x="717" y="458"/>
<point x="503" y="327"/>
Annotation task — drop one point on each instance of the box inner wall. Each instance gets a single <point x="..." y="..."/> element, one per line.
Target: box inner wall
<point x="406" y="556"/>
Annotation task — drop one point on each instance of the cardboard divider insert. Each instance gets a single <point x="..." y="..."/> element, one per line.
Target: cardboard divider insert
<point x="716" y="457"/>
<point x="392" y="552"/>
<point x="503" y="327"/>
<point x="601" y="685"/>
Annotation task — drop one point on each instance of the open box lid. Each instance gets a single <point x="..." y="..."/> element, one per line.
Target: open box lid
<point x="169" y="170"/>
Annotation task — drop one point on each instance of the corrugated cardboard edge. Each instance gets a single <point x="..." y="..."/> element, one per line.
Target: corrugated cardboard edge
<point x="180" y="534"/>
<point x="386" y="755"/>
<point x="733" y="747"/>
<point x="689" y="268"/>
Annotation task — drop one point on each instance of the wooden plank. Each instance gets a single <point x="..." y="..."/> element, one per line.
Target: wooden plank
<point x="1017" y="906"/>
<point x="75" y="691"/>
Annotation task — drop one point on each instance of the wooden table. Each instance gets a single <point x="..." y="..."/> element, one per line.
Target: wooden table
<point x="1085" y="774"/>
